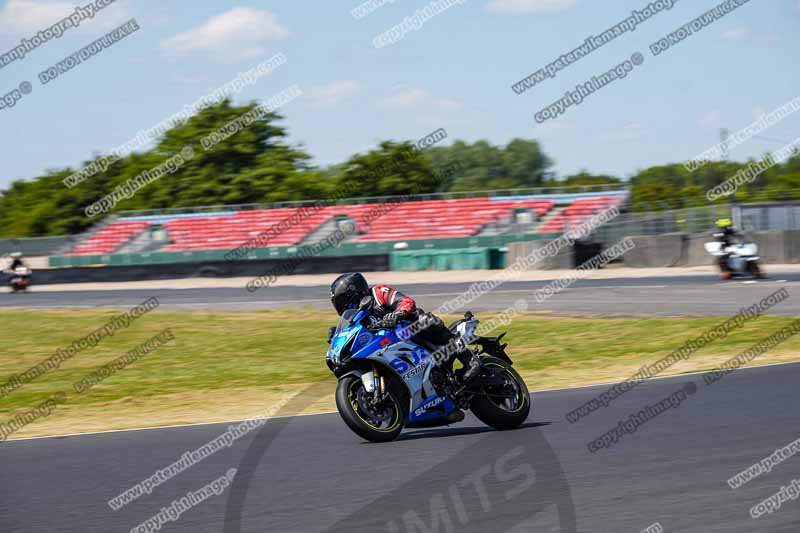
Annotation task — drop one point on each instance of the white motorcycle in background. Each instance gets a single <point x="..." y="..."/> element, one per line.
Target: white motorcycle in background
<point x="739" y="259"/>
<point x="20" y="279"/>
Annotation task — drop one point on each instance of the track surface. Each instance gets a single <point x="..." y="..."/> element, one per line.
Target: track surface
<point x="311" y="474"/>
<point x="664" y="296"/>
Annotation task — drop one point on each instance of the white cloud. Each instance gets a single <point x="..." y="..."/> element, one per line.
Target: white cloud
<point x="712" y="119"/>
<point x="23" y="17"/>
<point x="520" y="7"/>
<point x="332" y="93"/>
<point x="742" y="34"/>
<point x="737" y="34"/>
<point x="241" y="32"/>
<point x="415" y="98"/>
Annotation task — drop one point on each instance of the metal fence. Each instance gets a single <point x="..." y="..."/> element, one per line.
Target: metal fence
<point x="754" y="217"/>
<point x="39" y="246"/>
<point x="746" y="218"/>
<point x="691" y="220"/>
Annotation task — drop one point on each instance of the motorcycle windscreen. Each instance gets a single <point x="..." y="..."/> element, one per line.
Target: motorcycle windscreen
<point x="341" y="336"/>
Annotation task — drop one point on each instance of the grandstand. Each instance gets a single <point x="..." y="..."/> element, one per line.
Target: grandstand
<point x="375" y="222"/>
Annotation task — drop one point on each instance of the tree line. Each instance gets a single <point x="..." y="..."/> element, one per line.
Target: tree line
<point x="258" y="165"/>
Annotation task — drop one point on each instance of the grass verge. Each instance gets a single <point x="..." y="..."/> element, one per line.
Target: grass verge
<point x="229" y="366"/>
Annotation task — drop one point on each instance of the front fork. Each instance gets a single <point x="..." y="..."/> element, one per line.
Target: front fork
<point x="375" y="384"/>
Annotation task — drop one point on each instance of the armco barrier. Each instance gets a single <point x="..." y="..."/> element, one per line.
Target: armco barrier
<point x="653" y="251"/>
<point x="771" y="246"/>
<point x="695" y="252"/>
<point x="563" y="260"/>
<point x="309" y="265"/>
<point x="792" y="245"/>
<point x="680" y="249"/>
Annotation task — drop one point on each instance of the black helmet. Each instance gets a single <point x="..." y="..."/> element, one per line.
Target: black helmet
<point x="347" y="291"/>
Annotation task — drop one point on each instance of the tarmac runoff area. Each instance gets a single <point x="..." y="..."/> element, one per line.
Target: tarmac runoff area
<point x="694" y="291"/>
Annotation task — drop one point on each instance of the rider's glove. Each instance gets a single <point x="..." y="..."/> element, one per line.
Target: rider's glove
<point x="389" y="321"/>
<point x="331" y="331"/>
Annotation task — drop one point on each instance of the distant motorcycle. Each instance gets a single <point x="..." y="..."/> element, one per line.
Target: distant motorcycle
<point x="387" y="382"/>
<point x="20" y="279"/>
<point x="736" y="259"/>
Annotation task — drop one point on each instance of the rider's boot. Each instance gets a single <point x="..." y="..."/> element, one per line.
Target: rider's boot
<point x="472" y="366"/>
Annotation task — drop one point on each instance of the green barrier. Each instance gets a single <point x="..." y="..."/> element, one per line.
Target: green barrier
<point x="459" y="259"/>
<point x="349" y="248"/>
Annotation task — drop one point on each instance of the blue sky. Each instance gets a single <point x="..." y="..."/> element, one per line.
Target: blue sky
<point x="454" y="72"/>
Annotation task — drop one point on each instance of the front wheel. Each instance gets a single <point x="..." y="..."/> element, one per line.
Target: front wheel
<point x="504" y="401"/>
<point x="380" y="422"/>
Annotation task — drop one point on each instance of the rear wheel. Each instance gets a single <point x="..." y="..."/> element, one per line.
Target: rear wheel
<point x="505" y="402"/>
<point x="381" y="422"/>
<point x="724" y="272"/>
<point x="754" y="270"/>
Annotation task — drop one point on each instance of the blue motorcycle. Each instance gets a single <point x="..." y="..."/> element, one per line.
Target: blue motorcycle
<point x="390" y="380"/>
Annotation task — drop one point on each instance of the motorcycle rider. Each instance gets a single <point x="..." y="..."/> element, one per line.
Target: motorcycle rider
<point x="388" y="307"/>
<point x="16" y="261"/>
<point x="726" y="236"/>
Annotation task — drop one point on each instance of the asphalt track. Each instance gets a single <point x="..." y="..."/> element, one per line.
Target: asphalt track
<point x="656" y="296"/>
<point x="311" y="474"/>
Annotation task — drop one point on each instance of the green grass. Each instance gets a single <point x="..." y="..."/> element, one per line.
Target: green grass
<point x="247" y="358"/>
